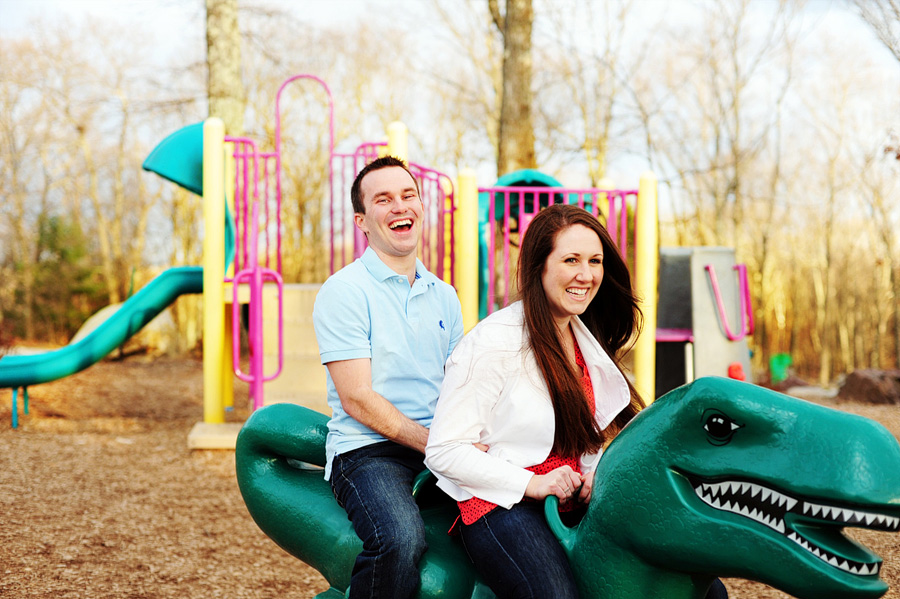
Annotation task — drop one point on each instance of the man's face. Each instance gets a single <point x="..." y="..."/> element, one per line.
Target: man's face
<point x="393" y="218"/>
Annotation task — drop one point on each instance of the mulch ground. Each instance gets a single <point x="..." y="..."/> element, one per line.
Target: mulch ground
<point x="102" y="498"/>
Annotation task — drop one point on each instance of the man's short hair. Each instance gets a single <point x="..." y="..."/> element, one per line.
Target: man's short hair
<point x="356" y="198"/>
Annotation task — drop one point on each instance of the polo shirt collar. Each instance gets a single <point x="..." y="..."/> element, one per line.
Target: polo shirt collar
<point x="382" y="271"/>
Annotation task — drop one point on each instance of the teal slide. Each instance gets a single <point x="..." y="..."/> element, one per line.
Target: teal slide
<point x="178" y="158"/>
<point x="137" y="311"/>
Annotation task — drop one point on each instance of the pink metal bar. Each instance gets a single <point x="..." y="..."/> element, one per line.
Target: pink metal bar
<point x="265" y="177"/>
<point x="506" y="227"/>
<point x="247" y="157"/>
<point x="612" y="210"/>
<point x="675" y="335"/>
<point x="244" y="211"/>
<point x="617" y="220"/>
<point x="492" y="237"/>
<point x="745" y="309"/>
<point x="439" y="208"/>
<point x="278" y="141"/>
<point x="434" y="200"/>
<point x="256" y="277"/>
<point x="745" y="283"/>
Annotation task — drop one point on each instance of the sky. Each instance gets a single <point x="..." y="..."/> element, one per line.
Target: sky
<point x="160" y="14"/>
<point x="157" y="16"/>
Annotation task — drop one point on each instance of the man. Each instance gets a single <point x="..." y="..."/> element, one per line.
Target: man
<point x="385" y="326"/>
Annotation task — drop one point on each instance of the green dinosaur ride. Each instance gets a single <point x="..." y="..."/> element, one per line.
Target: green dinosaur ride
<point x="715" y="479"/>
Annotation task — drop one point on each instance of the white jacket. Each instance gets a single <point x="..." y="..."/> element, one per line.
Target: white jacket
<point x="493" y="393"/>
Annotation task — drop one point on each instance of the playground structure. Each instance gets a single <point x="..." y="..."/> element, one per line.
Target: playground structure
<point x="718" y="478"/>
<point x="468" y="234"/>
<point x="454" y="246"/>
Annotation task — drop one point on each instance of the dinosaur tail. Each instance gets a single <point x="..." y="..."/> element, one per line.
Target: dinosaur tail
<point x="278" y="457"/>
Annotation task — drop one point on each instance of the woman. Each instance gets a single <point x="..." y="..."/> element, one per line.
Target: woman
<point x="495" y="395"/>
<point x="531" y="396"/>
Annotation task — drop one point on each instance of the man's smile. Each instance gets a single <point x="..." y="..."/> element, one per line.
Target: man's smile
<point x="406" y="223"/>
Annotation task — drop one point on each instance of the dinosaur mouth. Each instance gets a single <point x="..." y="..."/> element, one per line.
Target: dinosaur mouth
<point x="814" y="527"/>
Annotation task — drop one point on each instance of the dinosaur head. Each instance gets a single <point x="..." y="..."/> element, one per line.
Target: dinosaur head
<point x="723" y="478"/>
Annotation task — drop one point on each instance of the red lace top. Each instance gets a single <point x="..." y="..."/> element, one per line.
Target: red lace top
<point x="472" y="509"/>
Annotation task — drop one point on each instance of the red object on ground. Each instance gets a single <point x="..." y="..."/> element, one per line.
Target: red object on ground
<point x="736" y="371"/>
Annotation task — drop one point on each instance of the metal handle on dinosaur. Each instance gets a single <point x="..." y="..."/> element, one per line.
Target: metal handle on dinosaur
<point x="564" y="534"/>
<point x="421" y="479"/>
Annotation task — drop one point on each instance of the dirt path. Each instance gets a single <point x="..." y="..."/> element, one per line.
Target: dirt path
<point x="101" y="497"/>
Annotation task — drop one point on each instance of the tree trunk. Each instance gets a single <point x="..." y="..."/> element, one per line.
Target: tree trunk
<point x="223" y="57"/>
<point x="516" y="144"/>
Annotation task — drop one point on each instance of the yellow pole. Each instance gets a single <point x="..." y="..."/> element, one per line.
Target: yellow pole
<point x="646" y="266"/>
<point x="213" y="268"/>
<point x="398" y="141"/>
<point x="466" y="263"/>
<point x="227" y="384"/>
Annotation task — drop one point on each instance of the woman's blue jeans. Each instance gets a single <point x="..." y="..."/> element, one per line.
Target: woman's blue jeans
<point x="517" y="555"/>
<point x="374" y="485"/>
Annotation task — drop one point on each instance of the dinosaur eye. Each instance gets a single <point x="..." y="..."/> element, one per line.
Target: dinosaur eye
<point x="719" y="427"/>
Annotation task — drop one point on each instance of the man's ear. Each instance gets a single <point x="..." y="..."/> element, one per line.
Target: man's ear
<point x="359" y="221"/>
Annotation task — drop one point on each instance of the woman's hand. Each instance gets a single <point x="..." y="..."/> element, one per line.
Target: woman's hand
<point x="562" y="482"/>
<point x="587" y="486"/>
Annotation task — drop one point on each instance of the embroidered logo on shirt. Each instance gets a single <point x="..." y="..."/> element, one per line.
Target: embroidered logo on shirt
<point x="441" y="322"/>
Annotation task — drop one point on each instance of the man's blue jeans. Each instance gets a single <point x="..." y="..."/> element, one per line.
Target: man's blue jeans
<point x="374" y="485"/>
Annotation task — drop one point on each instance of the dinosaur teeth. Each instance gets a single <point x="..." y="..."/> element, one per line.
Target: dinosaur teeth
<point x="852" y="517"/>
<point x="757" y="493"/>
<point x="715" y="495"/>
<point x="769" y="507"/>
<point x="856" y="568"/>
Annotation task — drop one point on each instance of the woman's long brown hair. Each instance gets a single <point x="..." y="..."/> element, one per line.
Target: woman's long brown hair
<point x="612" y="317"/>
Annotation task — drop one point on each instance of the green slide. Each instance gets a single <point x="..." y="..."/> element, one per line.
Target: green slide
<point x="179" y="159"/>
<point x="137" y="311"/>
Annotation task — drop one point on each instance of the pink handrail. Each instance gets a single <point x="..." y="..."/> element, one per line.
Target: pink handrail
<point x="248" y="269"/>
<point x="747" y="324"/>
<point x="278" y="150"/>
<point x="617" y="220"/>
<point x="256" y="276"/>
<point x="348" y="166"/>
<point x="438" y="198"/>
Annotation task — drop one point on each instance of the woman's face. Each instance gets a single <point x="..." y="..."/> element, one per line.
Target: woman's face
<point x="573" y="272"/>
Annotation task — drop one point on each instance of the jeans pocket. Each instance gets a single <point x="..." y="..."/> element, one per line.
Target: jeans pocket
<point x="337" y="469"/>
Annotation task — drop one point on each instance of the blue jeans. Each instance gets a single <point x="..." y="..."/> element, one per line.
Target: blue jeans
<point x="717" y="590"/>
<point x="517" y="555"/>
<point x="374" y="485"/>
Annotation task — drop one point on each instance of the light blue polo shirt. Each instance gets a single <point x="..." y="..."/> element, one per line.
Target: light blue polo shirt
<point x="366" y="310"/>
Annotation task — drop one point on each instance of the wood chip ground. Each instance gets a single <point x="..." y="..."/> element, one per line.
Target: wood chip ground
<point x="101" y="497"/>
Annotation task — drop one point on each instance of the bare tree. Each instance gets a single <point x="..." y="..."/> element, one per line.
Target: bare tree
<point x="467" y="88"/>
<point x="880" y="185"/>
<point x="78" y="120"/>
<point x="21" y="135"/>
<point x="883" y="16"/>
<point x="585" y="86"/>
<point x="225" y="87"/>
<point x="516" y="143"/>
